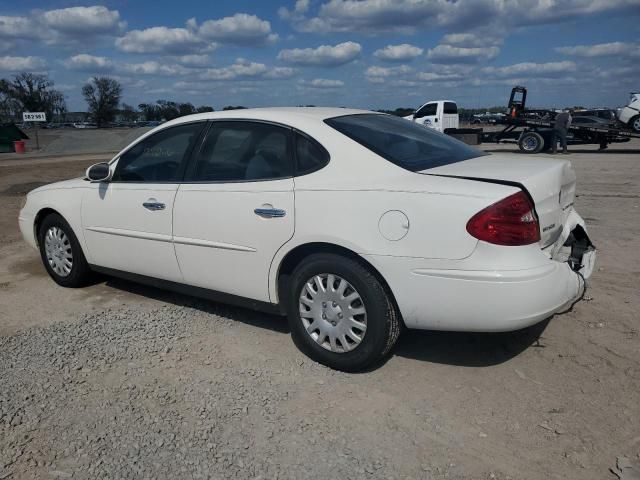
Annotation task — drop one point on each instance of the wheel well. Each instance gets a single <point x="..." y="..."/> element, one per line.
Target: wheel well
<point x="40" y="216"/>
<point x="295" y="256"/>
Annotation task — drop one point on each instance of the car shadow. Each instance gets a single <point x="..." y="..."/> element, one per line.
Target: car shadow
<point x="451" y="348"/>
<point x="468" y="349"/>
<point x="275" y="323"/>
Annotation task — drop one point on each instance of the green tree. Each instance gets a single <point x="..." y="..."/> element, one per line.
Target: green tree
<point x="128" y="113"/>
<point x="103" y="96"/>
<point x="204" y="108"/>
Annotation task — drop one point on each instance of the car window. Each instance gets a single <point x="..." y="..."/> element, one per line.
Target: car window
<point x="429" y="109"/>
<point x="450" y="107"/>
<point x="158" y="158"/>
<point x="310" y="155"/>
<point x="406" y="144"/>
<point x="243" y="151"/>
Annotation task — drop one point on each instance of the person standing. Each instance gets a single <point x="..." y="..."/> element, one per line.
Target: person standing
<point x="560" y="130"/>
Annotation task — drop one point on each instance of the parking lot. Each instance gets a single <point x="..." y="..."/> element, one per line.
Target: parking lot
<point x="118" y="380"/>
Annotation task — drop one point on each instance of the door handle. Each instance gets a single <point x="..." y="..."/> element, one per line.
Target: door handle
<point x="153" y="205"/>
<point x="270" y="212"/>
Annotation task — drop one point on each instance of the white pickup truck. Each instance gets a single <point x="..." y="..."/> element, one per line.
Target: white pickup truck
<point x="437" y="114"/>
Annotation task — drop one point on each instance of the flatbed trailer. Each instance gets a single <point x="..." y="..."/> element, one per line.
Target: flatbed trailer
<point x="532" y="130"/>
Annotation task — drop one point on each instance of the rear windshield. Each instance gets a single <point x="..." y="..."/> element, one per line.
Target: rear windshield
<point x="402" y="142"/>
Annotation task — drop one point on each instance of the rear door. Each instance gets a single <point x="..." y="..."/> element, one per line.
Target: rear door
<point x="127" y="222"/>
<point x="235" y="208"/>
<point x="450" y="116"/>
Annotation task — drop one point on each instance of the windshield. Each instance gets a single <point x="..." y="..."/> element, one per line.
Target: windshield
<point x="402" y="142"/>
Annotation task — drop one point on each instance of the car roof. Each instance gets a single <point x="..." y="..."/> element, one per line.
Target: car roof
<point x="285" y="115"/>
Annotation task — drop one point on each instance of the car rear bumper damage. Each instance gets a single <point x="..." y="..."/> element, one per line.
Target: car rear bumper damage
<point x="491" y="300"/>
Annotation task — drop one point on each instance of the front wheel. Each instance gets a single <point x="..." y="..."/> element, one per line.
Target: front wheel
<point x="340" y="314"/>
<point x="61" y="253"/>
<point x="634" y="123"/>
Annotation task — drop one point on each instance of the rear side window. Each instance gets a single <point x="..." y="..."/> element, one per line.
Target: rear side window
<point x="243" y="151"/>
<point x="310" y="155"/>
<point x="450" y="107"/>
<point x="404" y="143"/>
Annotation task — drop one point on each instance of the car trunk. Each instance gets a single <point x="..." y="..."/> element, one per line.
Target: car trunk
<point x="550" y="183"/>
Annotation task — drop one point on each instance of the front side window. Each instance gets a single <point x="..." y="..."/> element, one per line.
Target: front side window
<point x="243" y="151"/>
<point x="406" y="144"/>
<point x="158" y="158"/>
<point x="428" y="110"/>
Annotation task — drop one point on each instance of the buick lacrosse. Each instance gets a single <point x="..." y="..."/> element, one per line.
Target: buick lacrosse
<point x="352" y="223"/>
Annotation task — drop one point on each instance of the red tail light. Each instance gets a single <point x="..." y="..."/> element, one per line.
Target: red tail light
<point x="511" y="221"/>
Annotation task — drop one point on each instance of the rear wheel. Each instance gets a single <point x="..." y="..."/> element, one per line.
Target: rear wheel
<point x="531" y="142"/>
<point x="61" y="253"/>
<point x="340" y="314"/>
<point x="634" y="123"/>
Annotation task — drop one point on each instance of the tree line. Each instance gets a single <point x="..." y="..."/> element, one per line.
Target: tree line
<point x="31" y="92"/>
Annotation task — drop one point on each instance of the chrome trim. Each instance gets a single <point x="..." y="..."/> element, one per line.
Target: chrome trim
<point x="270" y="212"/>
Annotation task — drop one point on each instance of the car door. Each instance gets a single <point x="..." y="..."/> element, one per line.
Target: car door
<point x="428" y="115"/>
<point x="127" y="222"/>
<point x="235" y="208"/>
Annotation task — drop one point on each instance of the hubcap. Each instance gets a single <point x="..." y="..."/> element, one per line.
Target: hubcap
<point x="636" y="124"/>
<point x="58" y="250"/>
<point x="333" y="313"/>
<point x="530" y="143"/>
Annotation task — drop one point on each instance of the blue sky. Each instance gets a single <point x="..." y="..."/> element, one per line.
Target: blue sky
<point x="360" y="53"/>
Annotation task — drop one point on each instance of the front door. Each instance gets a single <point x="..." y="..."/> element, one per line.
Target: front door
<point x="235" y="208"/>
<point x="127" y="222"/>
<point x="427" y="115"/>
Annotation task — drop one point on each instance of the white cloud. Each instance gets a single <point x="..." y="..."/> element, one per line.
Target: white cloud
<point x="398" y="53"/>
<point x="322" y="83"/>
<point x="89" y="63"/>
<point x="194" y="60"/>
<point x="530" y="69"/>
<point x="16" y="27"/>
<point x="154" y="68"/>
<point x="299" y="9"/>
<point x="244" y="69"/>
<point x="602" y="50"/>
<point x="380" y="16"/>
<point x="161" y="40"/>
<point x="18" y="64"/>
<point x="377" y="74"/>
<point x="94" y="20"/>
<point x="451" y="54"/>
<point x="480" y="39"/>
<point x="239" y="29"/>
<point x="324" y="55"/>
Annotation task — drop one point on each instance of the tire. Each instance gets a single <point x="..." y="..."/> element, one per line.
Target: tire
<point x="64" y="244"/>
<point x="634" y="124"/>
<point x="381" y="319"/>
<point x="531" y="142"/>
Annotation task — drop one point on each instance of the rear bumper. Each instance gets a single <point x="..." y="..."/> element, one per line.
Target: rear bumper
<point x="480" y="301"/>
<point x="470" y="297"/>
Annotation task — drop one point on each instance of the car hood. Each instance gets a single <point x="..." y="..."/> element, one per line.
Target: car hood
<point x="73" y="183"/>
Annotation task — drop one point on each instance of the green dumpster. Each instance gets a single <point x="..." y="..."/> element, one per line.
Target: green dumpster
<point x="8" y="134"/>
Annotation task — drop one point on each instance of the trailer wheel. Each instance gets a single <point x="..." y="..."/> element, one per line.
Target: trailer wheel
<point x="531" y="142"/>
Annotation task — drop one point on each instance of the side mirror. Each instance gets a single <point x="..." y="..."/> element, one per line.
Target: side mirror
<point x="99" y="172"/>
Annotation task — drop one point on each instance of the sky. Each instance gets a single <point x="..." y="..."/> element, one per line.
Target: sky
<point x="370" y="54"/>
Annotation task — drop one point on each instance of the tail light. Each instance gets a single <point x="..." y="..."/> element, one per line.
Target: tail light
<point x="511" y="221"/>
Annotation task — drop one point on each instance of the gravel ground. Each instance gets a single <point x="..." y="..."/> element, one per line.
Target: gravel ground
<point x="130" y="393"/>
<point x="121" y="381"/>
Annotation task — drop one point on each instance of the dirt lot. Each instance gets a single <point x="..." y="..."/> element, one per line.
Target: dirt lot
<point x="122" y="381"/>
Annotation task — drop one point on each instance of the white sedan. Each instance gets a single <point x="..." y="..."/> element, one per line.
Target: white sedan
<point x="352" y="223"/>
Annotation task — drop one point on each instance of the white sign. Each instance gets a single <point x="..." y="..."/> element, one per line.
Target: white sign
<point x="34" y="117"/>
